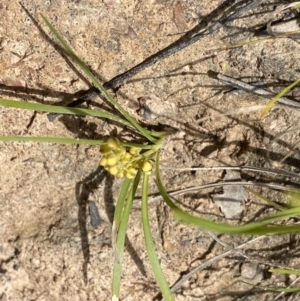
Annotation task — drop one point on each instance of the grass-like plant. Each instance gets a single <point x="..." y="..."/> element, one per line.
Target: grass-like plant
<point x="135" y="163"/>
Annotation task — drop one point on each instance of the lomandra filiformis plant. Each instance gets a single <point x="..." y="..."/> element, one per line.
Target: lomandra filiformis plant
<point x="135" y="163"/>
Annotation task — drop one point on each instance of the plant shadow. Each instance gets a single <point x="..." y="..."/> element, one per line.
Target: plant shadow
<point x="83" y="191"/>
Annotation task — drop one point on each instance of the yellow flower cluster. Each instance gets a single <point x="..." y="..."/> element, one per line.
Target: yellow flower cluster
<point x="120" y="162"/>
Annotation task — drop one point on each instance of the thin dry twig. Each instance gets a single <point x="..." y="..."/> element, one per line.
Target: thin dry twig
<point x="292" y="148"/>
<point x="229" y="248"/>
<point x="279" y="9"/>
<point x="252" y="89"/>
<point x="168" y="51"/>
<point x="238" y="168"/>
<point x="209" y="262"/>
<point x="157" y="198"/>
<point x="236" y="111"/>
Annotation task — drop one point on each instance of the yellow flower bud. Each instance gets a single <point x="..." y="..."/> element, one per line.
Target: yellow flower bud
<point x="134" y="150"/>
<point x="120" y="150"/>
<point x="120" y="175"/>
<point x="113" y="143"/>
<point x="126" y="157"/>
<point x="112" y="160"/>
<point x="147" y="166"/>
<point x="130" y="173"/>
<point x="114" y="170"/>
<point x="129" y="165"/>
<point x="103" y="161"/>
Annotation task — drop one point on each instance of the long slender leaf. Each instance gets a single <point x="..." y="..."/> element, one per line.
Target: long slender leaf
<point x="117" y="272"/>
<point x="285" y="271"/>
<point x="97" y="83"/>
<point x="159" y="276"/>
<point x="61" y="110"/>
<point x="272" y="102"/>
<point x="279" y="207"/>
<point x="62" y="140"/>
<point x="123" y="194"/>
<point x="59" y="140"/>
<point x="121" y="200"/>
<point x="259" y="227"/>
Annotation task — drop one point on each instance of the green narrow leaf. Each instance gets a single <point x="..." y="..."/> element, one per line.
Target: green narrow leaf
<point x="256" y="41"/>
<point x="158" y="274"/>
<point x="293" y="199"/>
<point x="97" y="83"/>
<point x="119" y="250"/>
<point x="63" y="140"/>
<point x="260" y="227"/>
<point x="283" y="290"/>
<point x="61" y="110"/>
<point x="59" y="140"/>
<point x="285" y="271"/>
<point x="272" y="102"/>
<point x="260" y="196"/>
<point x="121" y="200"/>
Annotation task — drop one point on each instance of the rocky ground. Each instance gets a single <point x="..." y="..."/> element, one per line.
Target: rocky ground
<point x="48" y="248"/>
